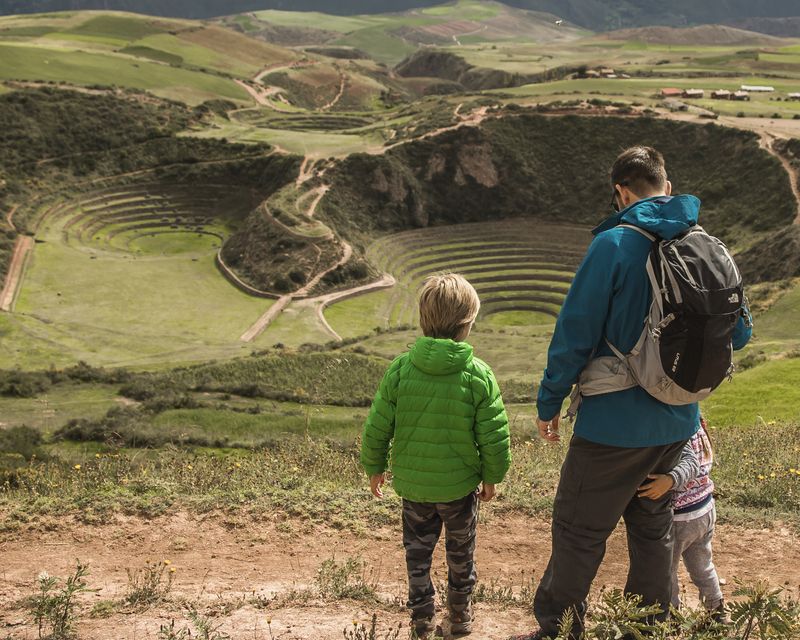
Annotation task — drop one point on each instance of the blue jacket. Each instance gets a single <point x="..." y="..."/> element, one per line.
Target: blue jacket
<point x="609" y="298"/>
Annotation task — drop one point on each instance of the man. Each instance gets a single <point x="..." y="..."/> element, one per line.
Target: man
<point x="621" y="437"/>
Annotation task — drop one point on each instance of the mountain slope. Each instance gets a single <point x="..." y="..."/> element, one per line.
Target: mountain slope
<point x="601" y="15"/>
<point x="210" y="8"/>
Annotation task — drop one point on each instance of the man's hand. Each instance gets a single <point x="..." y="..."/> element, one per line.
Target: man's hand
<point x="549" y="429"/>
<point x="375" y="484"/>
<point x="487" y="492"/>
<point x="659" y="484"/>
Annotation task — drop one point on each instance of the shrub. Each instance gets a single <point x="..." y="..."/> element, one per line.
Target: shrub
<point x="151" y="584"/>
<point x="55" y="607"/>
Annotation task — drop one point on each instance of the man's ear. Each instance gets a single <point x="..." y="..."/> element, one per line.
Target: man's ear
<point x="668" y="188"/>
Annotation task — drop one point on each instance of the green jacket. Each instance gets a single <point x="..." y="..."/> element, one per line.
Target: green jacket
<point x="440" y="409"/>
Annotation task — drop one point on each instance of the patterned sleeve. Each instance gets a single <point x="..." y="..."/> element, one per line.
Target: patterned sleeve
<point x="687" y="469"/>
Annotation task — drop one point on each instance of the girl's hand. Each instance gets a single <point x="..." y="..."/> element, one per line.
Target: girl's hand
<point x="487" y="492"/>
<point x="375" y="484"/>
<point x="660" y="483"/>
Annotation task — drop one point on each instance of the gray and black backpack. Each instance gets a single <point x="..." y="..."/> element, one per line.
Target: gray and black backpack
<point x="685" y="350"/>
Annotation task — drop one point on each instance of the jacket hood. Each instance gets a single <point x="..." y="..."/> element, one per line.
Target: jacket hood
<point x="440" y="357"/>
<point x="664" y="216"/>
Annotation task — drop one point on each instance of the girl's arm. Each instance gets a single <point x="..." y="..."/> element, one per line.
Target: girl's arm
<point x="688" y="468"/>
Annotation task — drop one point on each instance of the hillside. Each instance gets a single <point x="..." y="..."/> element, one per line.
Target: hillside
<point x="209" y="8"/>
<point x="710" y="35"/>
<point x="778" y="27"/>
<point x="458" y="176"/>
<point x="598" y="15"/>
<point x="176" y="59"/>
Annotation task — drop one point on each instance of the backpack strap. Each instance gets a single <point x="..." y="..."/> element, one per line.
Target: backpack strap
<point x="646" y="234"/>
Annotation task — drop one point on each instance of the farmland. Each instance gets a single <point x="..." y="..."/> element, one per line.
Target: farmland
<point x="219" y="229"/>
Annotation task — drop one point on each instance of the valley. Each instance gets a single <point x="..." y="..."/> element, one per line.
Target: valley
<point x="213" y="231"/>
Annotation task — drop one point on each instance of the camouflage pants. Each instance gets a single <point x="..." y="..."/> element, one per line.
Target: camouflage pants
<point x="422" y="526"/>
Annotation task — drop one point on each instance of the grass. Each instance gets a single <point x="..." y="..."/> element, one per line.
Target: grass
<point x="123" y="309"/>
<point x="758" y="396"/>
<point x="360" y="315"/>
<point x="59" y="405"/>
<point x="317" y="481"/>
<point x="343" y="24"/>
<point x="316" y="144"/>
<point x="28" y="62"/>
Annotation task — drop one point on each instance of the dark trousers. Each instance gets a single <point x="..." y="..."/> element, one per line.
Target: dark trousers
<point x="422" y="526"/>
<point x="598" y="487"/>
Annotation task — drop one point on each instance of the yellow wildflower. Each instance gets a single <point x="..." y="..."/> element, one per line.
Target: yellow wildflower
<point x="760" y="477"/>
<point x="77" y="467"/>
<point x="167" y="562"/>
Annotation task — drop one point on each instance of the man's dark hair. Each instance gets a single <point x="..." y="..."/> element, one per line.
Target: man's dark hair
<point x="641" y="169"/>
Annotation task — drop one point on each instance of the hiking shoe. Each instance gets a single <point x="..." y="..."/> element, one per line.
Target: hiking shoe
<point x="460" y="623"/>
<point x="538" y="634"/>
<point x="720" y="615"/>
<point x="422" y="627"/>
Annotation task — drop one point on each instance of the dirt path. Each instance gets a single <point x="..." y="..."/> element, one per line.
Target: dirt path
<point x="257" y="328"/>
<point x="323" y="302"/>
<point x="473" y="119"/>
<point x="767" y="142"/>
<point x="22" y="247"/>
<point x="225" y="564"/>
<point x="10" y="217"/>
<point x="342" y="83"/>
<point x="320" y="191"/>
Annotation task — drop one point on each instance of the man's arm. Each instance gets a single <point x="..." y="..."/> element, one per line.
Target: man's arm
<point x="580" y="325"/>
<point x="744" y="327"/>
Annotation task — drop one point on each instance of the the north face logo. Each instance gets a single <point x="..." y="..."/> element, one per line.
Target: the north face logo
<point x="734" y="298"/>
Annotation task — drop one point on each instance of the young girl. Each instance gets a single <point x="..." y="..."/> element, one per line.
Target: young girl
<point x="695" y="516"/>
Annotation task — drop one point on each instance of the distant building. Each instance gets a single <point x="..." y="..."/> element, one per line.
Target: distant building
<point x="794" y="96"/>
<point x="606" y="72"/>
<point x="625" y="75"/>
<point x="754" y="88"/>
<point x="721" y="94"/>
<point x="694" y="93"/>
<point x="740" y="95"/>
<point x="675" y="105"/>
<point x="671" y="93"/>
<point x="591" y="73"/>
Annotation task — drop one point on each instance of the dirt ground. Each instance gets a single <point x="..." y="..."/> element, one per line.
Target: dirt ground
<point x="223" y="563"/>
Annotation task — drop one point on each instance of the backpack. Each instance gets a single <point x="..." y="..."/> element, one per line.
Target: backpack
<point x="685" y="349"/>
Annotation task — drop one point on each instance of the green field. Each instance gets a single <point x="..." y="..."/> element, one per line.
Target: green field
<point x="39" y="63"/>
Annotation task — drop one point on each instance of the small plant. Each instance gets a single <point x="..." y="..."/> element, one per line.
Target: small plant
<point x="764" y="614"/>
<point x="346" y="580"/>
<point x="55" y="607"/>
<point x="151" y="584"/>
<point x="204" y="629"/>
<point x="103" y="609"/>
<point x="362" y="632"/>
<point x="618" y="615"/>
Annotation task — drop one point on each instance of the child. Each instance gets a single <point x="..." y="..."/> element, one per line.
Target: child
<point x="695" y="516"/>
<point x="440" y="410"/>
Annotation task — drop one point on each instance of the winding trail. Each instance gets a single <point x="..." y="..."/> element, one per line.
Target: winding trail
<point x="323" y="302"/>
<point x="332" y="103"/>
<point x="8" y="295"/>
<point x="10" y="217"/>
<point x="767" y="142"/>
<point x="258" y="327"/>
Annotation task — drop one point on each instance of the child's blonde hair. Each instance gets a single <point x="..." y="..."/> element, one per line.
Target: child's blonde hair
<point x="448" y="305"/>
